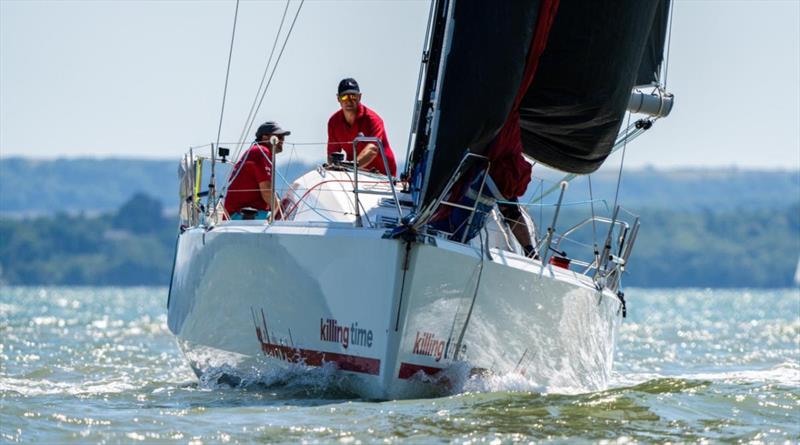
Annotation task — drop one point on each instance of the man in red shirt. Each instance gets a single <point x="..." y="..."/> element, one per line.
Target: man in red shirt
<point x="250" y="183"/>
<point x="353" y="119"/>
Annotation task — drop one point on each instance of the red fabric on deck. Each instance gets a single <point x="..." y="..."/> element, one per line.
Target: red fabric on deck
<point x="509" y="170"/>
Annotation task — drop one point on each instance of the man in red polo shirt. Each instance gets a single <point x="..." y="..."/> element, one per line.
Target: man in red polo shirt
<point x="354" y="118"/>
<point x="250" y="183"/>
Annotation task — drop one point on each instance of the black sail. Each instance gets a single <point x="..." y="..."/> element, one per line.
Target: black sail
<point x="654" y="49"/>
<point x="571" y="112"/>
<point x="483" y="69"/>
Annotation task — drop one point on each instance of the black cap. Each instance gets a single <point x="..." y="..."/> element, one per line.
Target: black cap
<point x="271" y="127"/>
<point x="348" y="85"/>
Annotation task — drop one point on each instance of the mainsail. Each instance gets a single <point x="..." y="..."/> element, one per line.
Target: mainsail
<point x="563" y="69"/>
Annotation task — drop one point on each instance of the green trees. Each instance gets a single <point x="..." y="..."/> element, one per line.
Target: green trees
<point x="133" y="246"/>
<point x="138" y="214"/>
<point x="735" y="248"/>
<point x="753" y="247"/>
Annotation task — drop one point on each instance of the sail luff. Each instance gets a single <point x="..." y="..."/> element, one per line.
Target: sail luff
<point x="420" y="90"/>
<point x="417" y="169"/>
<point x="434" y="95"/>
<point x="484" y="68"/>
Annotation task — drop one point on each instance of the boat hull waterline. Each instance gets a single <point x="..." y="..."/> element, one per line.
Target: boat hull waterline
<point x="396" y="319"/>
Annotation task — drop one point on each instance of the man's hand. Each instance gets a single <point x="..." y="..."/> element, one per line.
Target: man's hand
<point x="367" y="155"/>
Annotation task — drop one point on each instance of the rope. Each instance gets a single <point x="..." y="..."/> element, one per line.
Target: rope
<point x="563" y="204"/>
<point x="285" y="144"/>
<point x="595" y="249"/>
<point x="541" y="197"/>
<point x="264" y="75"/>
<point x="621" y="164"/>
<point x="591" y="199"/>
<point x="293" y="146"/>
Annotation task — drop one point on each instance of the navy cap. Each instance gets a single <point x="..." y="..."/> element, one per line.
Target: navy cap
<point x="348" y="85"/>
<point x="271" y="127"/>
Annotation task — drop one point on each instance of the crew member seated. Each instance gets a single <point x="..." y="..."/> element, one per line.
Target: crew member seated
<point x="250" y="182"/>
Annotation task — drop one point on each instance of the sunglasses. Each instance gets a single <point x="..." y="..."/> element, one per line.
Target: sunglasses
<point x="350" y="96"/>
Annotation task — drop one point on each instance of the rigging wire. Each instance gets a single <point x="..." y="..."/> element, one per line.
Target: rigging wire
<point x="595" y="249"/>
<point x="249" y="126"/>
<point x="213" y="181"/>
<point x="621" y="164"/>
<point x="669" y="43"/>
<point x="541" y="210"/>
<point x="275" y="67"/>
<point x="591" y="199"/>
<point x="228" y="71"/>
<point x="263" y="76"/>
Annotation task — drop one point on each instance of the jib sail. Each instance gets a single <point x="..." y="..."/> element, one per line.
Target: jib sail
<point x="560" y="71"/>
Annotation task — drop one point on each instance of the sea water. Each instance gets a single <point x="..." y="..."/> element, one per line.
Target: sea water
<point x="98" y="365"/>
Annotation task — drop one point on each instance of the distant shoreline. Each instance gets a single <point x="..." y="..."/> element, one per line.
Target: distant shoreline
<point x="610" y="167"/>
<point x="113" y="221"/>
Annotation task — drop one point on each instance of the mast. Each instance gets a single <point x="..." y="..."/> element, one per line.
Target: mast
<point x="427" y="109"/>
<point x="413" y="128"/>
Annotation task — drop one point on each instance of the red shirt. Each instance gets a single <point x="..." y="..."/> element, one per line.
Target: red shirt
<point x="341" y="135"/>
<point x="254" y="167"/>
<point x="510" y="171"/>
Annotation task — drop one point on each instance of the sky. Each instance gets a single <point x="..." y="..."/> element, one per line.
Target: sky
<point x="144" y="78"/>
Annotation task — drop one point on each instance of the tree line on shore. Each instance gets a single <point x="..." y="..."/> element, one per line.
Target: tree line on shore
<point x="134" y="245"/>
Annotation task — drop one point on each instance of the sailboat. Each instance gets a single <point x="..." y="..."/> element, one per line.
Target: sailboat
<point x="356" y="277"/>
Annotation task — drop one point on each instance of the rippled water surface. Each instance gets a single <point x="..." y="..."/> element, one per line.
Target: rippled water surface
<point x="99" y="365"/>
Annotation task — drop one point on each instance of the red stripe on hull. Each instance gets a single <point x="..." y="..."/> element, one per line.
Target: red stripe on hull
<point x="407" y="370"/>
<point x="345" y="362"/>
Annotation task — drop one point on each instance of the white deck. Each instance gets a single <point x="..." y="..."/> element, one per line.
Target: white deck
<point x="317" y="288"/>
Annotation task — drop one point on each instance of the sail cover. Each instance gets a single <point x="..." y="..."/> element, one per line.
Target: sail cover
<point x="571" y="99"/>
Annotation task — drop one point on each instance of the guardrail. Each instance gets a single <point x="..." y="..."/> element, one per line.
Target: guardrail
<point x="195" y="213"/>
<point x="606" y="265"/>
<point x="382" y="151"/>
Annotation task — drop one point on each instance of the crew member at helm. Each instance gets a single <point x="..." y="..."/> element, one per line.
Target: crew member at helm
<point x="355" y="118"/>
<point x="250" y="182"/>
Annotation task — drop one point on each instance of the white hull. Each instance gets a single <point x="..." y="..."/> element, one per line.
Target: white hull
<point x="257" y="298"/>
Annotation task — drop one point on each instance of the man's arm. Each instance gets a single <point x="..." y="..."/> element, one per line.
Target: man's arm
<point x="375" y="129"/>
<point x="331" y="147"/>
<point x="265" y="188"/>
<point x="262" y="171"/>
<point x="366" y="155"/>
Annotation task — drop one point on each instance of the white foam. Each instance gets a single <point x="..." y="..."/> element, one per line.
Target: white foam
<point x="787" y="373"/>
<point x="294" y="375"/>
<point x="462" y="381"/>
<point x="40" y="387"/>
